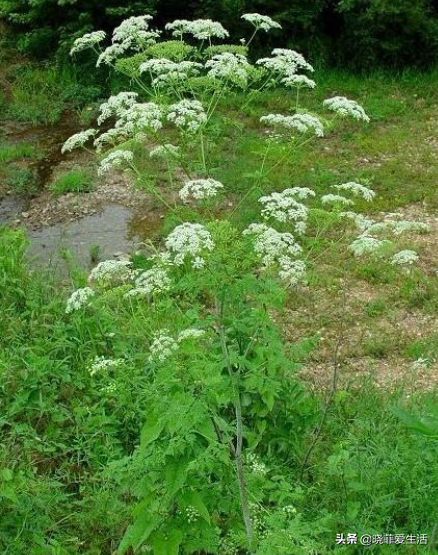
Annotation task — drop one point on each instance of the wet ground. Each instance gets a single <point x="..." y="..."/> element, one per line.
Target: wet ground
<point x="111" y="221"/>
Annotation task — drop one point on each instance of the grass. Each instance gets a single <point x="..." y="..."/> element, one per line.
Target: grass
<point x="73" y="181"/>
<point x="65" y="438"/>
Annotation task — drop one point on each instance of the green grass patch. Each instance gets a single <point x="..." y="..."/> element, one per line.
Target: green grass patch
<point x="74" y="181"/>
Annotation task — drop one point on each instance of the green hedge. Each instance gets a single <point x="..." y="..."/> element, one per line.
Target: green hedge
<point x="354" y="33"/>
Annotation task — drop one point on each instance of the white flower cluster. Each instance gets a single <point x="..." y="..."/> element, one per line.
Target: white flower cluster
<point x="336" y="199"/>
<point x="357" y="189"/>
<point x="135" y="30"/>
<point x="116" y="105"/>
<point x="189" y="241"/>
<point x="79" y="299"/>
<point x="298" y="81"/>
<point x="166" y="71"/>
<point x="284" y="207"/>
<point x="278" y="249"/>
<point x="397" y="227"/>
<point x="115" y="159"/>
<point x="285" y="62"/>
<point x="111" y="273"/>
<point x="78" y="140"/>
<point x="303" y="123"/>
<point x="364" y="244"/>
<point x="102" y="364"/>
<point x="164" y="151"/>
<point x="405" y="257"/>
<point x="132" y="33"/>
<point x="232" y="68"/>
<point x="192" y="514"/>
<point x="188" y="115"/>
<point x="345" y="107"/>
<point x="111" y="137"/>
<point x="263" y="22"/>
<point x="164" y="345"/>
<point x="89" y="40"/>
<point x="200" y="189"/>
<point x="150" y="282"/>
<point x="140" y="118"/>
<point x="361" y="221"/>
<point x="201" y="29"/>
<point x="256" y="465"/>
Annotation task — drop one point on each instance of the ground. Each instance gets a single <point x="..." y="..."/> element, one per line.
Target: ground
<point x="389" y="320"/>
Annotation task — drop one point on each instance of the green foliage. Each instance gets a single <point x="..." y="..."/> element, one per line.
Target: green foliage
<point x="22" y="181"/>
<point x="73" y="181"/>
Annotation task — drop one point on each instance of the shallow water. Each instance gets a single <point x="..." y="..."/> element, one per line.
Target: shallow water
<point x="110" y="230"/>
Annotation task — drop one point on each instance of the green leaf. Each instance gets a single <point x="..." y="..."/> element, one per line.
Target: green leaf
<point x="167" y="544"/>
<point x="151" y="430"/>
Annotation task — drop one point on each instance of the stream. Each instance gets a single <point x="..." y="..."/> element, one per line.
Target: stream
<point x="112" y="220"/>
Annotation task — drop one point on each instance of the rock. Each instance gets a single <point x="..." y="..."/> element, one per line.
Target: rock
<point x="25" y="214"/>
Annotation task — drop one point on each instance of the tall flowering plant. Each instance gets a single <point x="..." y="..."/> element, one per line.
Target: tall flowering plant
<point x="220" y="376"/>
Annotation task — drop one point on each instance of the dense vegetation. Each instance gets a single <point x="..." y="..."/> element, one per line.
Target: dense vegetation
<point x="358" y="33"/>
<point x="225" y="390"/>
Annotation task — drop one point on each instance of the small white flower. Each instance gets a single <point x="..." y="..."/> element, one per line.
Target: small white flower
<point x="189" y="241"/>
<point x="78" y="299"/>
<point x="357" y="190"/>
<point x="135" y="32"/>
<point x="204" y="29"/>
<point x="102" y="364"/>
<point x="150" y="282"/>
<point x="285" y="62"/>
<point x="115" y="159"/>
<point x="111" y="273"/>
<point x="345" y="107"/>
<point x="232" y="68"/>
<point x="336" y="199"/>
<point x="188" y="115"/>
<point x="405" y="257"/>
<point x="200" y="189"/>
<point x="140" y="118"/>
<point x="116" y="105"/>
<point x="111" y="137"/>
<point x="298" y="81"/>
<point x="303" y="123"/>
<point x="263" y="22"/>
<point x="163" y="346"/>
<point x="89" y="40"/>
<point x="271" y="245"/>
<point x="362" y="222"/>
<point x="166" y="71"/>
<point x="78" y="140"/>
<point x="256" y="465"/>
<point x="190" y="333"/>
<point x="364" y="244"/>
<point x="111" y="53"/>
<point x="291" y="271"/>
<point x="284" y="207"/>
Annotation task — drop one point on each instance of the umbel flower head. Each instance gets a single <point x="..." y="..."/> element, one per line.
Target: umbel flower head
<point x="166" y="71"/>
<point x="189" y="241"/>
<point x="200" y="189"/>
<point x="78" y="140"/>
<point x="89" y="40"/>
<point x="284" y="207"/>
<point x="111" y="273"/>
<point x="285" y="62"/>
<point x="346" y="108"/>
<point x="115" y="159"/>
<point x="188" y="115"/>
<point x="116" y="105"/>
<point x="263" y="22"/>
<point x="150" y="282"/>
<point x="78" y="299"/>
<point x="303" y="123"/>
<point x="229" y="67"/>
<point x="201" y="29"/>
